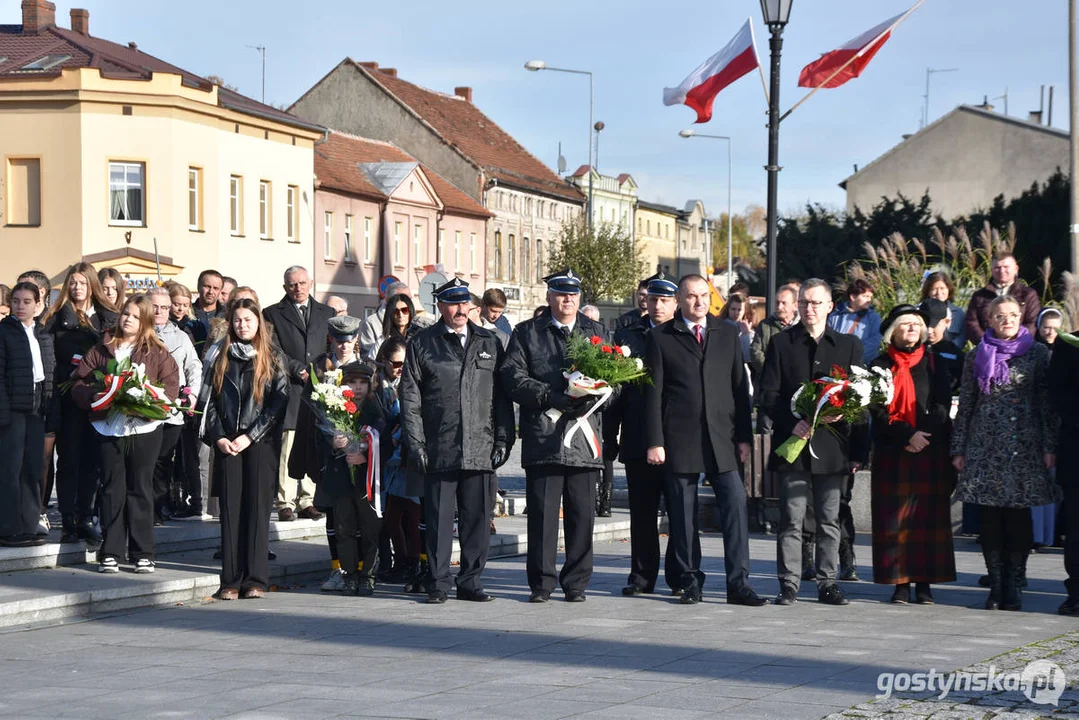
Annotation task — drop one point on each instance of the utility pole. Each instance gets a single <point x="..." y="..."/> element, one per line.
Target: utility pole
<point x="262" y="51"/>
<point x="1073" y="121"/>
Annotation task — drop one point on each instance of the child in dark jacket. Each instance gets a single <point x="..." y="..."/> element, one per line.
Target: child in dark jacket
<point x="344" y="480"/>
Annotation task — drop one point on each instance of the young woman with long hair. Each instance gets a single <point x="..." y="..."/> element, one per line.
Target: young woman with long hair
<point x="247" y="392"/>
<point x="128" y="447"/>
<point x="78" y="320"/>
<point x="113" y="286"/>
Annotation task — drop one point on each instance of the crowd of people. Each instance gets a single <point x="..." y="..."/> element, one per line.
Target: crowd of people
<point x="444" y="397"/>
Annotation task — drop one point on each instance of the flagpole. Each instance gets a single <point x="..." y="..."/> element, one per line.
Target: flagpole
<point x="860" y="53"/>
<point x="760" y="68"/>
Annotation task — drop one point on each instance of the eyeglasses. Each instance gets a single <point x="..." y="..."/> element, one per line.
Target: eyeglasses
<point x="815" y="304"/>
<point x="397" y="364"/>
<point x="1002" y="317"/>
<point x="163" y="308"/>
<point x="401" y="311"/>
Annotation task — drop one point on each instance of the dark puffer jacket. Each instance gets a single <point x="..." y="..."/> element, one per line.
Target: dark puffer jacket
<point x="17" y="369"/>
<point x="72" y="338"/>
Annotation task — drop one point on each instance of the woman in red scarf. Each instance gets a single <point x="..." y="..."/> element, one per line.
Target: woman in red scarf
<point x="913" y="476"/>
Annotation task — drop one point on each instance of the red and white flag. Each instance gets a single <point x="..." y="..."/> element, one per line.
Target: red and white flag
<point x="846" y="63"/>
<point x="700" y="88"/>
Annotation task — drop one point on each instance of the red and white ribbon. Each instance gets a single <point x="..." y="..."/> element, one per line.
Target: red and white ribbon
<point x="113" y="383"/>
<point x="578" y="386"/>
<point x="374" y="473"/>
<point x="825" y="397"/>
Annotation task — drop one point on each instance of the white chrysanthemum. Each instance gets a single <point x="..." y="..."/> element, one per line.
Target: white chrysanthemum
<point x="624" y="350"/>
<point x="863" y="389"/>
<point x="136" y="392"/>
<point x="640" y="364"/>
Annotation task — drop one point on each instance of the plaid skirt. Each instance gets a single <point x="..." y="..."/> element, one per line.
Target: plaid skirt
<point x="912" y="516"/>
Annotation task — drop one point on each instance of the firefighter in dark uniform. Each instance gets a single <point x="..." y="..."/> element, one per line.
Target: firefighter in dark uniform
<point x="532" y="375"/>
<point x="457" y="424"/>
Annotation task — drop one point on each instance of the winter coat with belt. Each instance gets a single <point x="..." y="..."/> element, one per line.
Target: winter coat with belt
<point x="451" y="402"/>
<point x="532" y="375"/>
<point x="161" y="370"/>
<point x="233" y="411"/>
<point x="300" y="344"/>
<point x="17" y="369"/>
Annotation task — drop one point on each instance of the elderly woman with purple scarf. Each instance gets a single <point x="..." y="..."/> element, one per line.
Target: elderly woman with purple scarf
<point x="1004" y="443"/>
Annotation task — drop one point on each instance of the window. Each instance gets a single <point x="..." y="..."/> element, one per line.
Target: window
<point x="290" y="212"/>
<point x="127" y="193"/>
<point x="265" y="210"/>
<point x="417" y="245"/>
<point x="24" y="191"/>
<point x="367" y="239"/>
<point x="512" y="257"/>
<point x="194" y="187"/>
<point x="397" y="244"/>
<point x="472" y="253"/>
<point x="350" y="256"/>
<point x="236" y="212"/>
<point x="539" y="259"/>
<point x="441" y="243"/>
<point x="456" y="250"/>
<point x="526" y="259"/>
<point x="498" y="254"/>
<point x="649" y="226"/>
<point x="46" y="63"/>
<point x="327" y="236"/>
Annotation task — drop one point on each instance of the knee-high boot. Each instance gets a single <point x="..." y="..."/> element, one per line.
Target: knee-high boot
<point x="994" y="563"/>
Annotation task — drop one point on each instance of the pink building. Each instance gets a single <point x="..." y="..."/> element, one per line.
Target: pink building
<point x="379" y="212"/>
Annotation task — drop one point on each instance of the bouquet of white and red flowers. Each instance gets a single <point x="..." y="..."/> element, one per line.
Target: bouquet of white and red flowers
<point x="126" y="395"/>
<point x="838" y="397"/>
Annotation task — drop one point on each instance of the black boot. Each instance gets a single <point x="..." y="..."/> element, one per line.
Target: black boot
<point x="1011" y="594"/>
<point x="85" y="530"/>
<point x="69" y="533"/>
<point x="994" y="563"/>
<point x="415" y="572"/>
<point x="1021" y="578"/>
<point x="809" y="553"/>
<point x="603" y="498"/>
<point x="366" y="583"/>
<point x="848" y="570"/>
<point x="350" y="583"/>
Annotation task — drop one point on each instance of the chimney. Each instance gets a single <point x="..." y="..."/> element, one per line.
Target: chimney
<point x="463" y="92"/>
<point x="392" y="72"/>
<point x="369" y="65"/>
<point x="80" y="21"/>
<point x="37" y="15"/>
<point x="1035" y="117"/>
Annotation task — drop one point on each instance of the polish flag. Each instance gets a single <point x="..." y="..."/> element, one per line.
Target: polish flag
<point x="699" y="90"/>
<point x="846" y="63"/>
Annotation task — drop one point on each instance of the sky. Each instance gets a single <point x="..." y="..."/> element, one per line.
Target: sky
<point x="634" y="48"/>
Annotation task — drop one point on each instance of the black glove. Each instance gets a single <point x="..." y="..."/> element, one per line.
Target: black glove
<point x="419" y="460"/>
<point x="563" y="402"/>
<point x="499" y="456"/>
<point x="610" y="450"/>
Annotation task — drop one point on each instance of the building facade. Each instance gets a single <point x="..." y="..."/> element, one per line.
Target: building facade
<point x="614" y="199"/>
<point x="694" y="239"/>
<point x="657" y="237"/>
<point x="964" y="160"/>
<point x="116" y="157"/>
<point x="451" y="136"/>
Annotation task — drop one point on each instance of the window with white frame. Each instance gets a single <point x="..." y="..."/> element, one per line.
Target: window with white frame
<point x="397" y="229"/>
<point x="349" y="254"/>
<point x="417" y="244"/>
<point x="127" y="193"/>
<point x="440" y="248"/>
<point x="511" y="257"/>
<point x="456" y="250"/>
<point x="265" y="209"/>
<point x="367" y="239"/>
<point x="236" y="217"/>
<point x="290" y="205"/>
<point x="194" y="198"/>
<point x="472" y="252"/>
<point x="327" y="235"/>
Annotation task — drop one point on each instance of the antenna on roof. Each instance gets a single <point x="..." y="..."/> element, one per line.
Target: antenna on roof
<point x="561" y="161"/>
<point x="262" y="50"/>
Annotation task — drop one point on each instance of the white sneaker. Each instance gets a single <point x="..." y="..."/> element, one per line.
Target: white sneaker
<point x="144" y="566"/>
<point x="335" y="582"/>
<point x="43" y="526"/>
<point x="108" y="565"/>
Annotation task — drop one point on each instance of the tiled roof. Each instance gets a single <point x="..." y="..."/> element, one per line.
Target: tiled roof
<point x="462" y="124"/>
<point x="338" y="161"/>
<point x="114" y="61"/>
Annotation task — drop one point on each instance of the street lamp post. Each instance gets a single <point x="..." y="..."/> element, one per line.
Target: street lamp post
<point x="537" y="65"/>
<point x="776" y="15"/>
<point x="730" y="224"/>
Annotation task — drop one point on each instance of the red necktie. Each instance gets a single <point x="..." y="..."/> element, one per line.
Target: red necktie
<point x="698" y="334"/>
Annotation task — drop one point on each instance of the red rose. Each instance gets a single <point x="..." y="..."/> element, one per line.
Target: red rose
<point x="347" y="394"/>
<point x="836" y="400"/>
<point x="350" y="407"/>
<point x="606" y="348"/>
<point x="596" y="340"/>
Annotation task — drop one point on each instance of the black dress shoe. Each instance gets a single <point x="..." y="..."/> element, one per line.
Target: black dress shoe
<point x="271" y="555"/>
<point x="539" y="596"/>
<point x="901" y="596"/>
<point x="575" y="596"/>
<point x="922" y="594"/>
<point x="435" y="597"/>
<point x="690" y="596"/>
<point x="1069" y="607"/>
<point x="677" y="592"/>
<point x="745" y="596"/>
<point x="788" y="595"/>
<point x="474" y="595"/>
<point x="633" y="589"/>
<point x="832" y="595"/>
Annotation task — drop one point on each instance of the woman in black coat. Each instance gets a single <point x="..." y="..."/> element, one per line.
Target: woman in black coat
<point x="913" y="476"/>
<point x="79" y="320"/>
<point x="247" y="399"/>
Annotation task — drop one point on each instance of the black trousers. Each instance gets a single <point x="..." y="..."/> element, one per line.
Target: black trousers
<point x="166" y="465"/>
<point x="246" y="484"/>
<point x="127" y="477"/>
<point x="647" y="485"/>
<point x="545" y="487"/>
<point x="470" y="491"/>
<point x="1069" y="515"/>
<point x="190" y="471"/>
<point x="683" y="561"/>
<point x="22" y="461"/>
<point x="730" y="493"/>
<point x="358" y="527"/>
<point x="78" y="460"/>
<point x="1006" y="529"/>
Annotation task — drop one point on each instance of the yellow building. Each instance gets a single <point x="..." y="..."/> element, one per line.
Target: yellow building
<point x="656" y="235"/>
<point x="107" y="150"/>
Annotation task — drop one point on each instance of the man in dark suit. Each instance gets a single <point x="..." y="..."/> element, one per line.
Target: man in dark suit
<point x="646" y="483"/>
<point x="698" y="420"/>
<point x="457" y="424"/>
<point x="533" y="376"/>
<point x="1064" y="392"/>
<point x="300" y="327"/>
<point x="806" y="352"/>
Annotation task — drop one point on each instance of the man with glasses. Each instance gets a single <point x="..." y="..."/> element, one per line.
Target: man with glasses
<point x="803" y="353"/>
<point x="1005" y="282"/>
<point x="183" y="352"/>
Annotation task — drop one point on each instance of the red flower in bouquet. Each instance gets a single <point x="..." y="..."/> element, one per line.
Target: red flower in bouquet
<point x="350" y="407"/>
<point x="596" y="340"/>
<point x="837" y="400"/>
<point x="347" y="394"/>
<point x="606" y="348"/>
<point x="838" y="373"/>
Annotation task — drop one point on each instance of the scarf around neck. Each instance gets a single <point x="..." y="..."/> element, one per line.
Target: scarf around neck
<point x="992" y="355"/>
<point x="242" y="351"/>
<point x="904" y="407"/>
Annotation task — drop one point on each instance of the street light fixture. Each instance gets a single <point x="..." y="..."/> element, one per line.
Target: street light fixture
<point x="776" y="14"/>
<point x="535" y="66"/>
<point x="730" y="224"/>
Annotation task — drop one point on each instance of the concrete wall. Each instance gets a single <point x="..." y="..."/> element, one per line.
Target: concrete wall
<point x="964" y="160"/>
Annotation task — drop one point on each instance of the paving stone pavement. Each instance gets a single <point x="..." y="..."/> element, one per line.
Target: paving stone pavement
<point x="298" y="653"/>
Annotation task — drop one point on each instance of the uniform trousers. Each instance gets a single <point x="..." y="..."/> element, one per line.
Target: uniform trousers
<point x="245" y="485"/>
<point x="166" y="466"/>
<point x="1069" y="516"/>
<point x="471" y="492"/>
<point x="358" y="527"/>
<point x="795" y="488"/>
<point x="545" y="487"/>
<point x="127" y="504"/>
<point x="77" y="460"/>
<point x="21" y="465"/>
<point x="647" y="485"/>
<point x="291" y="493"/>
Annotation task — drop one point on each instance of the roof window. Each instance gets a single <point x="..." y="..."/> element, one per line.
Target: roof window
<point x="46" y="63"/>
